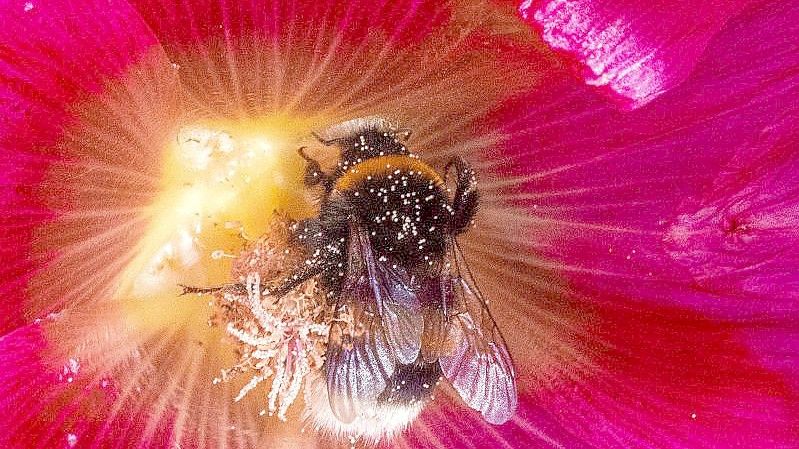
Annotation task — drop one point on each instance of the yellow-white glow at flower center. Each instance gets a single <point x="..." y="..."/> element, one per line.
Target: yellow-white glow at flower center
<point x="220" y="186"/>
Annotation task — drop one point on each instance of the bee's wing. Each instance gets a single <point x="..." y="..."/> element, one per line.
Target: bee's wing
<point x="435" y="297"/>
<point x="357" y="372"/>
<point x="384" y="290"/>
<point x="387" y="309"/>
<point x="479" y="366"/>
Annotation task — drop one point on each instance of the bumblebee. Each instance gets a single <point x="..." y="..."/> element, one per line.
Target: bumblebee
<point x="384" y="250"/>
<point x="384" y="247"/>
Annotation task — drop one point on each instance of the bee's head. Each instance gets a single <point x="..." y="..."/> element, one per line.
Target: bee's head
<point x="364" y="138"/>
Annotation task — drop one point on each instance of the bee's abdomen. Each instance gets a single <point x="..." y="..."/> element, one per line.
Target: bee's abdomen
<point x="411" y="384"/>
<point x="402" y="202"/>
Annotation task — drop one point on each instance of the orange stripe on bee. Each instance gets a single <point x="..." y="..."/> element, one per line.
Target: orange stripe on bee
<point x="384" y="166"/>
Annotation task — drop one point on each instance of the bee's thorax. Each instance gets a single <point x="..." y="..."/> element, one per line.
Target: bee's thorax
<point x="383" y="167"/>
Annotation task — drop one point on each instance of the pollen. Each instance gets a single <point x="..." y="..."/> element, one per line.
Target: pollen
<point x="217" y="185"/>
<point x="279" y="341"/>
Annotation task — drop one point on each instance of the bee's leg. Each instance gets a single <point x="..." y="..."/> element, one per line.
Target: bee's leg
<point x="195" y="290"/>
<point x="319" y="261"/>
<point x="466" y="198"/>
<point x="278" y="289"/>
<point x="294" y="280"/>
<point x="313" y="171"/>
<point x="307" y="232"/>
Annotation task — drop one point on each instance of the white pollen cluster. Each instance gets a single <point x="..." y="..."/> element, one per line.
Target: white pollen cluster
<point x="211" y="173"/>
<point x="280" y="340"/>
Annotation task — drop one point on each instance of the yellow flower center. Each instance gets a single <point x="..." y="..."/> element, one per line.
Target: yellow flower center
<point x="221" y="184"/>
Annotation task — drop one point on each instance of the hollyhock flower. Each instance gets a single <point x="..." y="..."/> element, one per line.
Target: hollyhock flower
<point x="635" y="235"/>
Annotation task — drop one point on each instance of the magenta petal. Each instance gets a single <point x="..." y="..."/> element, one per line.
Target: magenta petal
<point x="667" y="378"/>
<point x="685" y="211"/>
<point x="644" y="378"/>
<point x="448" y="424"/>
<point x="738" y="240"/>
<point x="659" y="206"/>
<point x="53" y="53"/>
<point x="52" y="402"/>
<point x="638" y="50"/>
<point x="689" y="201"/>
<point x="777" y="348"/>
<point x="192" y="24"/>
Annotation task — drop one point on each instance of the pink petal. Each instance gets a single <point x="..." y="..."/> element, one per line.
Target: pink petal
<point x="777" y="348"/>
<point x="637" y="50"/>
<point x="639" y="378"/>
<point x="654" y="204"/>
<point x="674" y="223"/>
<point x="736" y="239"/>
<point x="68" y="405"/>
<point x="446" y="423"/>
<point x="635" y="375"/>
<point x="53" y="53"/>
<point x="668" y="379"/>
<point x="195" y="23"/>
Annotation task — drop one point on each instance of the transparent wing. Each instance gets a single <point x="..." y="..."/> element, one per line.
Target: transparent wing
<point x="385" y="290"/>
<point x="479" y="366"/>
<point x="435" y="297"/>
<point x="357" y="370"/>
<point x="388" y="328"/>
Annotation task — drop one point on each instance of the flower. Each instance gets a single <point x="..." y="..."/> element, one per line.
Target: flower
<point x="635" y="236"/>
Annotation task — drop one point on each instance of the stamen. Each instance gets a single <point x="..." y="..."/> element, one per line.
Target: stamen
<point x="282" y="339"/>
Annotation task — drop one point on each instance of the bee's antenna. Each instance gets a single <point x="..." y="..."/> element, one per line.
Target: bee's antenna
<point x="301" y="151"/>
<point x="323" y="141"/>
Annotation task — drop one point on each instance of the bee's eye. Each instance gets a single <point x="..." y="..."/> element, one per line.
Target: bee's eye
<point x="313" y="174"/>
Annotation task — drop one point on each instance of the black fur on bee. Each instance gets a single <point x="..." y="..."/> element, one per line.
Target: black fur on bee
<point x="384" y="247"/>
<point x="411" y="384"/>
<point x="398" y="200"/>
